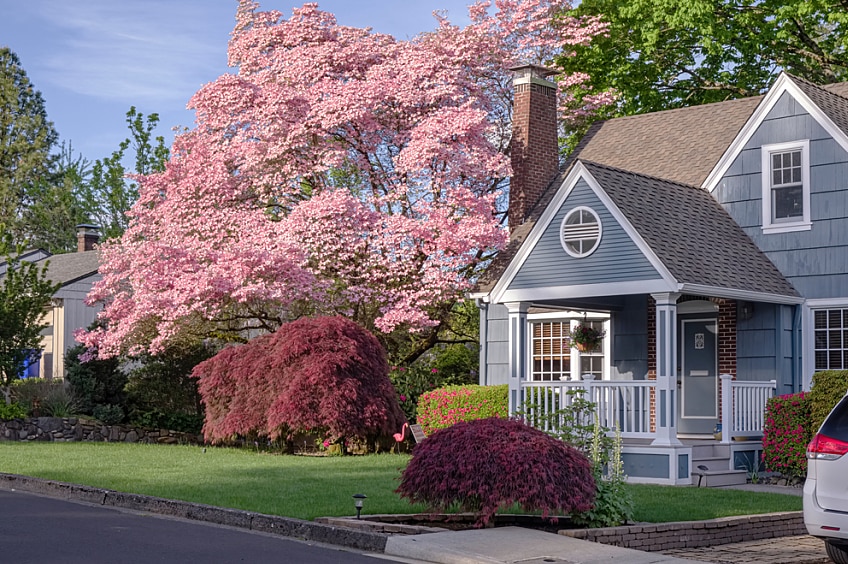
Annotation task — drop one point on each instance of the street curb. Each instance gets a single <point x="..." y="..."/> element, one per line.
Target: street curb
<point x="283" y="526"/>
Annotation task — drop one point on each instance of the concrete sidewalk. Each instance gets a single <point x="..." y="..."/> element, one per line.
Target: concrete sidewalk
<point x="507" y="545"/>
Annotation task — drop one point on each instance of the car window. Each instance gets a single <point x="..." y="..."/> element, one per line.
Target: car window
<point x="836" y="424"/>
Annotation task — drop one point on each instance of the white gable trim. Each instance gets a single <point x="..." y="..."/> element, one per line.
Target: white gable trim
<point x="737" y="294"/>
<point x="588" y="290"/>
<point x="781" y="85"/>
<point x="579" y="171"/>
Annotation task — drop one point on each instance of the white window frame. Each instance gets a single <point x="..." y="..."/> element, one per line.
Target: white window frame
<point x="562" y="241"/>
<point x="808" y="325"/>
<point x="770" y="225"/>
<point x="574" y="317"/>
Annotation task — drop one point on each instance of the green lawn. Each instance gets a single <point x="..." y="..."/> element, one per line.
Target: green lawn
<point x="306" y="487"/>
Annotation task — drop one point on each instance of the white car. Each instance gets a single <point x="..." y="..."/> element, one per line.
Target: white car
<point x="826" y="488"/>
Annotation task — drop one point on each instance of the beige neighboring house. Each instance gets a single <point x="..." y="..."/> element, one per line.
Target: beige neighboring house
<point x="76" y="273"/>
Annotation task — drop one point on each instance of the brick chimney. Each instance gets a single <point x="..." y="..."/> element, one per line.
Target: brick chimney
<point x="87" y="237"/>
<point x="534" y="148"/>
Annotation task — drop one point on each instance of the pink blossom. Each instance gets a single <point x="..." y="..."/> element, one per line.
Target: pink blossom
<point x="336" y="171"/>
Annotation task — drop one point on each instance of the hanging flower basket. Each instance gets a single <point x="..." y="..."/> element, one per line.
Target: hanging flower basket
<point x="586" y="338"/>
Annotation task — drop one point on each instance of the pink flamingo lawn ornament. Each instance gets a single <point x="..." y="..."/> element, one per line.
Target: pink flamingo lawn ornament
<point x="400" y="436"/>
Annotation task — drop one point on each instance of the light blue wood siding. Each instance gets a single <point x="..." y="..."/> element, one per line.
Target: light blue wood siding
<point x="814" y="261"/>
<point x="764" y="347"/>
<point x="617" y="259"/>
<point x="494" y="368"/>
<point x="630" y="340"/>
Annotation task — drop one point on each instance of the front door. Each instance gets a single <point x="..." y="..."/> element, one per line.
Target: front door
<point x="698" y="377"/>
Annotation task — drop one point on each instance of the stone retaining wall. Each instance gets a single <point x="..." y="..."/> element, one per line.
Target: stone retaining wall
<point x="655" y="537"/>
<point x="71" y="429"/>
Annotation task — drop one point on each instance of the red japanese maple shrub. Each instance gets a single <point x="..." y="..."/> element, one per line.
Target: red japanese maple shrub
<point x="488" y="464"/>
<point x="326" y="375"/>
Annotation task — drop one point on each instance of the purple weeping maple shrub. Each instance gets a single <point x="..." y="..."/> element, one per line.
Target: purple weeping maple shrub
<point x="326" y="375"/>
<point x="488" y="464"/>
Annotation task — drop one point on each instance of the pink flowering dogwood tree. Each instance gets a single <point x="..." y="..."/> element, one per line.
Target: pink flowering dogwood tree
<point x="338" y="171"/>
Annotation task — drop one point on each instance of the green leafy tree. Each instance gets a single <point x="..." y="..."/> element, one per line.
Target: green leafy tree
<point x="26" y="140"/>
<point x="663" y="54"/>
<point x="57" y="206"/>
<point x="106" y="192"/>
<point x="25" y="293"/>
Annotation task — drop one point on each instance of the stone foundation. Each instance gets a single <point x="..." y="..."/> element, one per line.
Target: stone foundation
<point x="74" y="429"/>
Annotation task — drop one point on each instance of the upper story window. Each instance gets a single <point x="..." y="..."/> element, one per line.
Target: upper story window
<point x="580" y="233"/>
<point x="786" y="187"/>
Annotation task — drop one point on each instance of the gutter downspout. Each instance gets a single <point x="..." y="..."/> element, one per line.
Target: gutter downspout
<point x="483" y="374"/>
<point x="797" y="380"/>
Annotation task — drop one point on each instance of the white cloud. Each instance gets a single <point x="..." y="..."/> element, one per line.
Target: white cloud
<point x="139" y="50"/>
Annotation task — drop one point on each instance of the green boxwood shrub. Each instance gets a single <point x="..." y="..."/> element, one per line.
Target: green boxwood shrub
<point x="829" y="386"/>
<point x="95" y="382"/>
<point x="446" y="406"/>
<point x="786" y="434"/>
<point x="11" y="411"/>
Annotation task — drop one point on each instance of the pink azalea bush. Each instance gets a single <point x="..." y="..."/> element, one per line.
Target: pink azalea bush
<point x="326" y="376"/>
<point x="786" y="434"/>
<point x="447" y="406"/>
<point x="336" y="171"/>
<point x="485" y="465"/>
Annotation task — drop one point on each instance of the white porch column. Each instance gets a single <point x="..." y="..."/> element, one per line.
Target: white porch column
<point x="666" y="400"/>
<point x="517" y="351"/>
<point x="726" y="407"/>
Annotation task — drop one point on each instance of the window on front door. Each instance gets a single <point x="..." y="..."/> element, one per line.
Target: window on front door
<point x="552" y="357"/>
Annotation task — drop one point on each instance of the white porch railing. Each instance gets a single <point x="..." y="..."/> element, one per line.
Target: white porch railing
<point x="627" y="404"/>
<point x="622" y="403"/>
<point x="743" y="407"/>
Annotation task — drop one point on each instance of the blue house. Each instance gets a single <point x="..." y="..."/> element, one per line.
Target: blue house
<point x="709" y="243"/>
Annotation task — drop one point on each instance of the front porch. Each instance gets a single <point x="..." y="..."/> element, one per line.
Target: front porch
<point x="652" y="450"/>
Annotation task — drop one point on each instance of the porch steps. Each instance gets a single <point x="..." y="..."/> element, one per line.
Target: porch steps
<point x="711" y="466"/>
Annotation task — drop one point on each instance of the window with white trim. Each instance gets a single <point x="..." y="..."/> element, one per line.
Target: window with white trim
<point x="552" y="357"/>
<point x="786" y="186"/>
<point x="580" y="232"/>
<point x="830" y="339"/>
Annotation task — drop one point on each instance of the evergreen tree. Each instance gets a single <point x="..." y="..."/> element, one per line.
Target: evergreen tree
<point x="26" y="139"/>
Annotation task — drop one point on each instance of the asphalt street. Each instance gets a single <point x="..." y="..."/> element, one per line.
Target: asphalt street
<point x="35" y="530"/>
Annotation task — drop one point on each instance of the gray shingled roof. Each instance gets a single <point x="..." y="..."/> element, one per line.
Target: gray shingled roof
<point x="830" y="100"/>
<point x="695" y="238"/>
<point x="681" y="145"/>
<point x="70" y="267"/>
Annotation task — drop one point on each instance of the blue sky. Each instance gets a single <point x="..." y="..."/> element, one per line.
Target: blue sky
<point x="93" y="59"/>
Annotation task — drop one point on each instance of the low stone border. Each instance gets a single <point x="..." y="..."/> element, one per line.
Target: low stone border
<point x="284" y="526"/>
<point x="655" y="537"/>
<point x="73" y="429"/>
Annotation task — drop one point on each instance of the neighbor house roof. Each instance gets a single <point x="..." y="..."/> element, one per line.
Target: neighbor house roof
<point x="67" y="268"/>
<point x="62" y="269"/>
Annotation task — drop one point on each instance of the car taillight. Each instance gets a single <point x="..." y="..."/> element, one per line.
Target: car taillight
<point x="823" y="447"/>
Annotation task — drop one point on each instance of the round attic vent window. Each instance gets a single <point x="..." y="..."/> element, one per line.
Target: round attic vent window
<point x="580" y="233"/>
